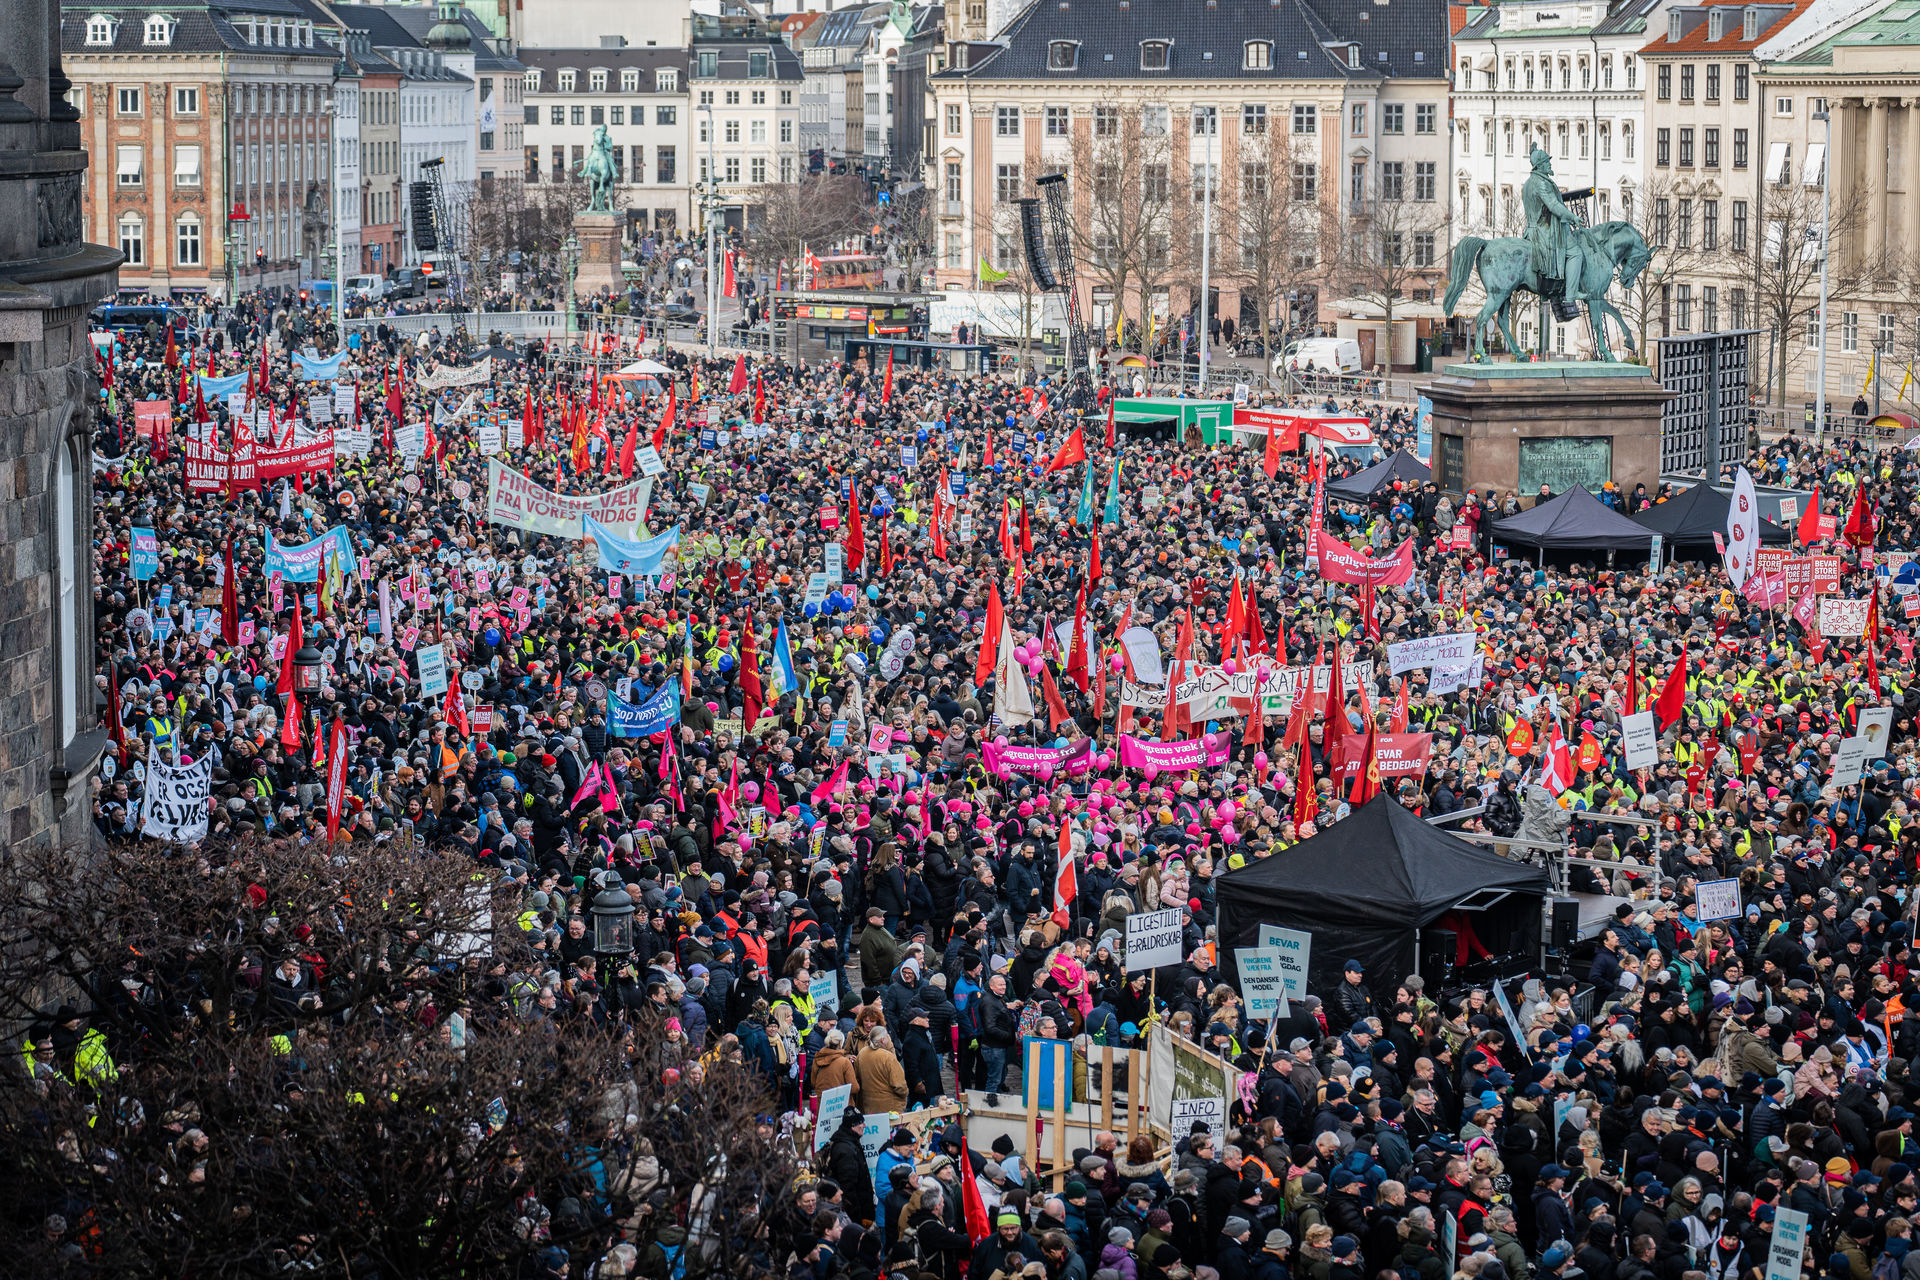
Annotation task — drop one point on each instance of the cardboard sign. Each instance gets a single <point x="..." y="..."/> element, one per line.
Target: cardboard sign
<point x="1717" y="899"/>
<point x="1295" y="948"/>
<point x="433" y="668"/>
<point x="1840" y="617"/>
<point x="1849" y="761"/>
<point x="1211" y="1112"/>
<point x="1642" y="740"/>
<point x="1262" y="985"/>
<point x="1155" y="938"/>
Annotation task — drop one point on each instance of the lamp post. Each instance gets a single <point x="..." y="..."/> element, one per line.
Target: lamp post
<point x="308" y="666"/>
<point x="1206" y="247"/>
<point x="236" y="217"/>
<point x="570" y="265"/>
<point x="1825" y="117"/>
<point x="612" y="911"/>
<point x="713" y="243"/>
<point x="331" y="109"/>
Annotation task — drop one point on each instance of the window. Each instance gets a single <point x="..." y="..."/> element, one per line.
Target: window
<point x="1006" y="122"/>
<point x="556" y="114"/>
<point x="1849" y="330"/>
<point x="1153" y="55"/>
<point x="596" y="114"/>
<point x="730" y="131"/>
<point x="953" y="182"/>
<point x="707" y="64"/>
<point x="1683" y="233"/>
<point x="1885" y="340"/>
<point x="1606" y="71"/>
<point x="730" y="169"/>
<point x="1393" y="180"/>
<point x="1606" y="142"/>
<point x="1425" y="180"/>
<point x="1686" y="83"/>
<point x="1054" y="121"/>
<point x="1662" y="220"/>
<point x="1738" y="229"/>
<point x="1710" y="148"/>
<point x="128" y="101"/>
<point x="630" y="80"/>
<point x="786" y="131"/>
<point x="1306" y="118"/>
<point x="1154" y="183"/>
<point x="597" y="80"/>
<point x="1683" y="308"/>
<point x="159" y="30"/>
<point x="1426" y="118"/>
<point x="133" y="241"/>
<point x="953" y="256"/>
<point x="1783" y="106"/>
<point x="1006" y="183"/>
<point x="1357" y="183"/>
<point x="618" y="115"/>
<point x="620" y="164"/>
<point x="1106" y="122"/>
<point x="1392" y="248"/>
<point x="664" y="168"/>
<point x="1737" y="308"/>
<point x="953" y="119"/>
<point x="1506" y="130"/>
<point x="1663" y="83"/>
<point x="757" y="171"/>
<point x="1742" y="81"/>
<point x="127" y="166"/>
<point x="1204" y="182"/>
<point x="1357" y="120"/>
<point x="1739" y="148"/>
<point x="530" y="85"/>
<point x="1155" y="120"/>
<point x="186" y="166"/>
<point x="665" y="115"/>
<point x="1206" y="122"/>
<point x="1713" y="82"/>
<point x="532" y="158"/>
<point x="1253" y="119"/>
<point x="578" y="113"/>
<point x="1259" y="55"/>
<point x="1306" y="181"/>
<point x="757" y="131"/>
<point x="1663" y="147"/>
<point x="186" y="241"/>
<point x="758" y="63"/>
<point x="667" y="80"/>
<point x="1423" y="244"/>
<point x="186" y="100"/>
<point x="1686" y="147"/>
<point x="557" y="165"/>
<point x="1813" y="321"/>
<point x="1710" y="225"/>
<point x="568" y="78"/>
<point x="100" y="30"/>
<point x="1062" y="55"/>
<point x="1393" y="119"/>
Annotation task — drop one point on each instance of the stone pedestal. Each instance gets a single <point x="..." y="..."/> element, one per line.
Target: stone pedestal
<point x="599" y="236"/>
<point x="1512" y="426"/>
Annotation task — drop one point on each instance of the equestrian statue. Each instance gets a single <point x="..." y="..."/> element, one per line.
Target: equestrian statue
<point x="597" y="169"/>
<point x="1559" y="260"/>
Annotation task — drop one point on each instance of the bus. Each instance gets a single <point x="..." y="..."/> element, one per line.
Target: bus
<point x="847" y="271"/>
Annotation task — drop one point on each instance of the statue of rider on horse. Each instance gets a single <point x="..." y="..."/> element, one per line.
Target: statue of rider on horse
<point x="596" y="167"/>
<point x="1559" y="260"/>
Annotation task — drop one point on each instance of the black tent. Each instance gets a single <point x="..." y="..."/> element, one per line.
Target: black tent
<point x="1691" y="518"/>
<point x="1366" y="887"/>
<point x="1574" y="521"/>
<point x="1362" y="485"/>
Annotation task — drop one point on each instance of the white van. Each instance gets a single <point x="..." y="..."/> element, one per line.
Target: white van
<point x="1326" y="355"/>
<point x="372" y="288"/>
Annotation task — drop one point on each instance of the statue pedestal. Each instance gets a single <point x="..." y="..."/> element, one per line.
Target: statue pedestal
<point x="599" y="236"/>
<point x="1514" y="426"/>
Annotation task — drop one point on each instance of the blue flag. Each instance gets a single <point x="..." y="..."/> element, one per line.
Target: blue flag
<point x="659" y="713"/>
<point x="624" y="555"/>
<point x="1112" y="514"/>
<point x="318" y="370"/>
<point x="783" y="677"/>
<point x="223" y="386"/>
<point x="144" y="554"/>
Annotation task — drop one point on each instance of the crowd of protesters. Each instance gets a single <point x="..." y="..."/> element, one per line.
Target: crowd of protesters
<point x="842" y="817"/>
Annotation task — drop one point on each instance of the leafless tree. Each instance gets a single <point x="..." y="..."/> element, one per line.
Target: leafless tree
<point x="1125" y="162"/>
<point x="819" y="213"/>
<point x="1787" y="275"/>
<point x="1393" y="246"/>
<point x="1277" y="216"/>
<point x="1671" y="219"/>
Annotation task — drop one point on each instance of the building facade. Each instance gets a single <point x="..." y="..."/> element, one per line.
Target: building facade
<point x="640" y="96"/>
<point x="381" y="198"/>
<point x="51" y="731"/>
<point x="193" y="114"/>
<point x="745" y="83"/>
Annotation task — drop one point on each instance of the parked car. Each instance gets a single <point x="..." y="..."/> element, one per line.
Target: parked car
<point x="407" y="282"/>
<point x="1326" y="355"/>
<point x="677" y="313"/>
<point x="368" y="288"/>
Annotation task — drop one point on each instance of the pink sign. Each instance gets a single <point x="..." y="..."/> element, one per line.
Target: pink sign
<point x="1341" y="563"/>
<point x="1191" y="753"/>
<point x="1004" y="760"/>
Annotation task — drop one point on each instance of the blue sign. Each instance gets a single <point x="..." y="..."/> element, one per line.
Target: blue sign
<point x="659" y="713"/>
<point x="144" y="554"/>
<point x="166" y="597"/>
<point x="709" y="438"/>
<point x="623" y="555"/>
<point x="958" y="483"/>
<point x="305" y="563"/>
<point x="1423" y="430"/>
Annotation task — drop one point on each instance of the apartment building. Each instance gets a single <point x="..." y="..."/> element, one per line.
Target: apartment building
<point x="640" y="96"/>
<point x="746" y="84"/>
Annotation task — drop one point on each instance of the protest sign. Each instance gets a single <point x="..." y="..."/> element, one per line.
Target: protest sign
<point x="1155" y="938"/>
<point x="1840" y="617"/>
<point x="1197" y="753"/>
<point x="1342" y="563"/>
<point x="833" y="1109"/>
<point x="144" y="553"/>
<point x="1455" y="650"/>
<point x="1849" y="761"/>
<point x="433" y="668"/>
<point x="518" y="502"/>
<point x="825" y="990"/>
<point x="1262" y="985"/>
<point x="1211" y="1112"/>
<point x="1642" y="740"/>
<point x="1717" y="899"/>
<point x="305" y="563"/>
<point x="660" y="712"/>
<point x="175" y="805"/>
<point x="1788" y="1245"/>
<point x="1296" y="952"/>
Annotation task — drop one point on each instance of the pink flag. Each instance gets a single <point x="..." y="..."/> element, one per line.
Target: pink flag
<point x="588" y="786"/>
<point x="926" y="813"/>
<point x="729" y="799"/>
<point x="609" y="790"/>
<point x="831" y="785"/>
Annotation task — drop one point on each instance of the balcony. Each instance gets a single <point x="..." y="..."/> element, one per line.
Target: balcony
<point x="953" y="208"/>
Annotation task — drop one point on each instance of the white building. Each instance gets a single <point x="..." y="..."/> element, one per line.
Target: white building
<point x="884" y="42"/>
<point x="640" y="95"/>
<point x="346" y="169"/>
<point x="746" y="86"/>
<point x="1565" y="77"/>
<point x="833" y="44"/>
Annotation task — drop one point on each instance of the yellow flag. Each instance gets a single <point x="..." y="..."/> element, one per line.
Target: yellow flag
<point x="1867" y="386"/>
<point x="1905" y="382"/>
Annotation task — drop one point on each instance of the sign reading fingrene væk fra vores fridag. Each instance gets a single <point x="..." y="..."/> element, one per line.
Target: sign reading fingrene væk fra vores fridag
<point x="516" y="501"/>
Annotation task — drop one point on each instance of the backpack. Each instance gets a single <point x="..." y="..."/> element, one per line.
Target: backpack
<point x="1886" y="1267"/>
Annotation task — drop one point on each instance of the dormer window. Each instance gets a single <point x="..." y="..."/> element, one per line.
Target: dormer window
<point x="567" y="79"/>
<point x="159" y="29"/>
<point x="1750" y="24"/>
<point x="1062" y="55"/>
<point x="1716" y="24"/>
<point x="1259" y="55"/>
<point x="597" y="80"/>
<point x="531" y="84"/>
<point x="1673" y="28"/>
<point x="1353" y="56"/>
<point x="666" y="80"/>
<point x="100" y="29"/>
<point x="630" y="80"/>
<point x="1153" y="54"/>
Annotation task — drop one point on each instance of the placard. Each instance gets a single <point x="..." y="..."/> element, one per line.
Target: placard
<point x="1211" y="1112"/>
<point x="833" y="1110"/>
<point x="175" y="805"/>
<point x="836" y="562"/>
<point x="1840" y="617"/>
<point x="1849" y="761"/>
<point x="1717" y="900"/>
<point x="648" y="458"/>
<point x="818" y="585"/>
<point x="1155" y="938"/>
<point x="824" y="988"/>
<point x="1642" y="740"/>
<point x="433" y="668"/>
<point x="1788" y="1246"/>
<point x="1876" y="724"/>
<point x="1262" y="985"/>
<point x="1295" y="948"/>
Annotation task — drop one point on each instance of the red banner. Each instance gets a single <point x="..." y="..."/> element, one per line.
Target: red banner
<point x="315" y="455"/>
<point x="336" y="779"/>
<point x="1341" y="563"/>
<point x="1270" y="420"/>
<point x="152" y="418"/>
<point x="209" y="469"/>
<point x="1400" y="755"/>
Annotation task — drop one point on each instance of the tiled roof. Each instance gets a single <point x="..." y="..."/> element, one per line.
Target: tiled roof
<point x="1773" y="18"/>
<point x="1208" y="39"/>
<point x="198" y="28"/>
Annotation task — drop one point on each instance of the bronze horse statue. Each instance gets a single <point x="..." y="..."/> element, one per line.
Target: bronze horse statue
<point x="1506" y="266"/>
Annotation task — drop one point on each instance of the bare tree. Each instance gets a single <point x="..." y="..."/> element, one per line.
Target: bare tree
<point x="1392" y="246"/>
<point x="818" y="213"/>
<point x="1125" y="163"/>
<point x="1787" y="275"/>
<point x="1670" y="219"/>
<point x="912" y="232"/>
<point x="1276" y="215"/>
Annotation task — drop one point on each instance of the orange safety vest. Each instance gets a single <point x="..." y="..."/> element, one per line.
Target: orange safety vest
<point x="755" y="947"/>
<point x="449" y="762"/>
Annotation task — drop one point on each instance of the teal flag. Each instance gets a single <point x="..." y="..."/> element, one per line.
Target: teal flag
<point x="1112" y="513"/>
<point x="1085" y="515"/>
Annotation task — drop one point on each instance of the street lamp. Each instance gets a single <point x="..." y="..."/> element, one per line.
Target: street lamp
<point x="1826" y="215"/>
<point x="331" y="109"/>
<point x="612" y="911"/>
<point x="713" y="244"/>
<point x="236" y="217"/>
<point x="570" y="265"/>
<point x="307" y="668"/>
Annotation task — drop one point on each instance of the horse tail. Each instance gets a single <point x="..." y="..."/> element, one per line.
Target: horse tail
<point x="1465" y="255"/>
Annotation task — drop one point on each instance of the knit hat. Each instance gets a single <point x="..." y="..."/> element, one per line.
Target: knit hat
<point x="1342" y="1246"/>
<point x="1236" y="1227"/>
<point x="1007" y="1218"/>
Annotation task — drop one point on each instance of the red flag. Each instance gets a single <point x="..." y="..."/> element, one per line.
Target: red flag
<point x="886" y="387"/>
<point x="1170" y="715"/>
<point x="230" y="601"/>
<point x="454" y="709"/>
<point x="1305" y="804"/>
<point x="173" y="351"/>
<point x="856" y="539"/>
<point x="1366" y="779"/>
<point x="1026" y="532"/>
<point x="990" y="640"/>
<point x="986" y="459"/>
<point x="1072" y="450"/>
<point x="1076" y="668"/>
<point x="759" y="401"/>
<point x="738" y="382"/>
<point x="294" y="644"/>
<point x="1093" y="556"/>
<point x="1667" y="708"/>
<point x="1556" y="775"/>
<point x="1397" y="723"/>
<point x="1633" y="681"/>
<point x="1808" y="531"/>
<point x="750" y="686"/>
<point x="336" y="778"/>
<point x="1859" y="530"/>
<point x="290" y="724"/>
<point x="1236" y="619"/>
<point x="1256" y="631"/>
<point x="666" y="424"/>
<point x="1056" y="705"/>
<point x="1271" y="463"/>
<point x="1110" y="401"/>
<point x="1868" y="637"/>
<point x="939" y="523"/>
<point x="730" y="287"/>
<point x="627" y="449"/>
<point x="886" y="552"/>
<point x="973" y="1206"/>
<point x="1066" y="878"/>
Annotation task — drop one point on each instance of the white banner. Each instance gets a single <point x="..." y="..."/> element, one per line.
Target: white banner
<point x="1448" y="651"/>
<point x="1842" y="617"/>
<point x="1849" y="761"/>
<point x="516" y="501"/>
<point x="175" y="805"/>
<point x="1442" y="681"/>
<point x="1142" y="697"/>
<point x="1154" y="938"/>
<point x="1143" y="651"/>
<point x="1212" y="685"/>
<point x="443" y="378"/>
<point x="1743" y="529"/>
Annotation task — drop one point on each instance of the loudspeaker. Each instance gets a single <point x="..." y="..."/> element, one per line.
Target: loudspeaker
<point x="1564" y="924"/>
<point x="1034" y="232"/>
<point x="1438" y="947"/>
<point x="420" y="203"/>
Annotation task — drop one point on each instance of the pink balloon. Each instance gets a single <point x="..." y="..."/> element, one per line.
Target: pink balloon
<point x="1000" y="741"/>
<point x="1152" y="771"/>
<point x="1020" y="654"/>
<point x="1225" y="811"/>
<point x="746" y="841"/>
<point x="1260" y="759"/>
<point x="1043" y="770"/>
<point x="1033" y="667"/>
<point x="750" y="790"/>
<point x="1230" y="666"/>
<point x="1118" y="663"/>
<point x="1229" y="836"/>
